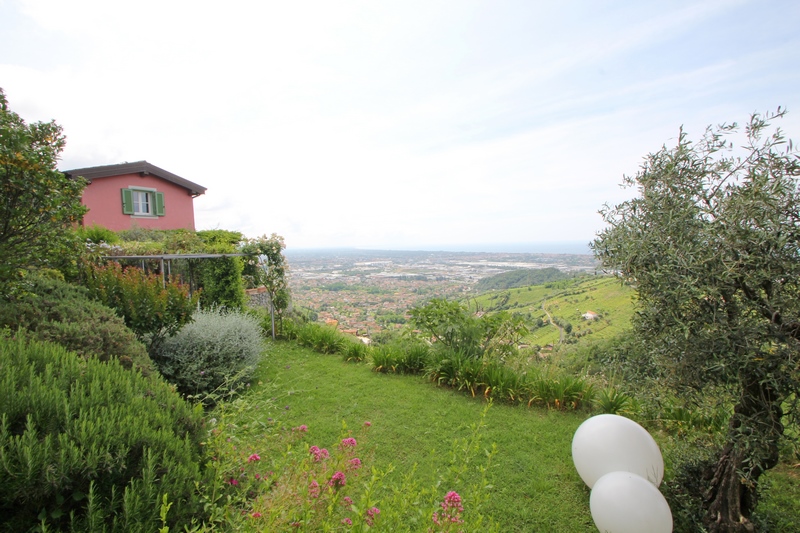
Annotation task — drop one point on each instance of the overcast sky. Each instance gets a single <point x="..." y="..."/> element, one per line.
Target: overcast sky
<point x="405" y="124"/>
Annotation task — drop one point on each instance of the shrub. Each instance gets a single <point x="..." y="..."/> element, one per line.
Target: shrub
<point x="97" y="234"/>
<point x="222" y="283"/>
<point x="53" y="310"/>
<point x="152" y="309"/>
<point x="221" y="278"/>
<point x="88" y="446"/>
<point x="218" y="348"/>
<point x="684" y="490"/>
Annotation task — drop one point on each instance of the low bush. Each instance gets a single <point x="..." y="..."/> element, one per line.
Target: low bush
<point x="97" y="234"/>
<point x="685" y="488"/>
<point x="53" y="310"/>
<point x="152" y="309"/>
<point x="88" y="446"/>
<point x="218" y="348"/>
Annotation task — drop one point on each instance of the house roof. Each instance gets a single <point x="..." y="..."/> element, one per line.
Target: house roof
<point x="143" y="168"/>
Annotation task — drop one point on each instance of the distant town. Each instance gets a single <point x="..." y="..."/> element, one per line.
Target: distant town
<point x="364" y="292"/>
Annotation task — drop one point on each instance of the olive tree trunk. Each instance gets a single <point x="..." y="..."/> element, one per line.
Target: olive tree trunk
<point x="754" y="431"/>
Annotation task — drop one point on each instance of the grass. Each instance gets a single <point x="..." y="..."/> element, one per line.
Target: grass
<point x="536" y="487"/>
<point x="414" y="424"/>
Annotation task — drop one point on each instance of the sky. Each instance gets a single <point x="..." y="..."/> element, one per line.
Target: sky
<point x="397" y="124"/>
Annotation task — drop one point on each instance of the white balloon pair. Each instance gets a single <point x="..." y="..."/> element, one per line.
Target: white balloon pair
<point x="622" y="464"/>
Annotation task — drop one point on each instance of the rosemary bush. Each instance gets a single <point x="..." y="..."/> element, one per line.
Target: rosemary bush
<point x="89" y="446"/>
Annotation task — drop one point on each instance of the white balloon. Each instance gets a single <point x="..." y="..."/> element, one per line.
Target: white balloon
<point x="622" y="502"/>
<point x="611" y="443"/>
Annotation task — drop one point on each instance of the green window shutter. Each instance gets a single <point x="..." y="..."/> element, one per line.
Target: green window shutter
<point x="127" y="202"/>
<point x="159" y="204"/>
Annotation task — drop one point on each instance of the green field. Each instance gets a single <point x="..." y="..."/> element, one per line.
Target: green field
<point x="566" y="301"/>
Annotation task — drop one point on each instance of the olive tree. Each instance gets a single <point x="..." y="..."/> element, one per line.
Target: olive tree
<point x="38" y="204"/>
<point x="457" y="328"/>
<point x="712" y="244"/>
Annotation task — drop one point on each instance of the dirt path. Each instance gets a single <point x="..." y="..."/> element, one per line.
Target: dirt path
<point x="552" y="323"/>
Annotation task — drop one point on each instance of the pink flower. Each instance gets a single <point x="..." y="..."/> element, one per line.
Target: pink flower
<point x="347" y="522"/>
<point x="233" y="481"/>
<point x="313" y="489"/>
<point x="319" y="454"/>
<point x="372" y="514"/>
<point x="367" y="423"/>
<point x="347" y="501"/>
<point x="256" y="515"/>
<point x="302" y="428"/>
<point x="355" y="463"/>
<point x="338" y="480"/>
<point x="453" y="501"/>
<point x="254" y="457"/>
<point x="451" y="510"/>
<point x="349" y="442"/>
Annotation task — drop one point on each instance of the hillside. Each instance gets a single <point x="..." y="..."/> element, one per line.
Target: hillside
<point x="555" y="310"/>
<point x="522" y="278"/>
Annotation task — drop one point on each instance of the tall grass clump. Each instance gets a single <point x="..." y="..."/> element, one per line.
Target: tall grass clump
<point x="354" y="351"/>
<point x="88" y="446"/>
<point x="409" y="357"/>
<point x="323" y="339"/>
<point x="218" y="348"/>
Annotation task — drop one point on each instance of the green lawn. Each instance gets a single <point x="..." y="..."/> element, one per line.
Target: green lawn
<point x="536" y="487"/>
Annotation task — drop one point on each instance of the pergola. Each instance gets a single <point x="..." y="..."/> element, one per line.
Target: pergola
<point x="165" y="260"/>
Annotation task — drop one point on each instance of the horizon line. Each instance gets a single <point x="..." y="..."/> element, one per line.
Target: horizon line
<point x="555" y="247"/>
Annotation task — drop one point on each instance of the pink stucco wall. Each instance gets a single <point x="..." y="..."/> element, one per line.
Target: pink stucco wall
<point x="104" y="200"/>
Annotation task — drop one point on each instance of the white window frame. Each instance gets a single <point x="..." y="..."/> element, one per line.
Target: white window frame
<point x="149" y="194"/>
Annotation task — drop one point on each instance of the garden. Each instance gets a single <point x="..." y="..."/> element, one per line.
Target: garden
<point x="135" y="401"/>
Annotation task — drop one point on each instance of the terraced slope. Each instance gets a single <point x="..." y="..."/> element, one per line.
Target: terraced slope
<point x="555" y="311"/>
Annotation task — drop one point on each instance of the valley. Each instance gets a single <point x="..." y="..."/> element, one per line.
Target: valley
<point x="364" y="292"/>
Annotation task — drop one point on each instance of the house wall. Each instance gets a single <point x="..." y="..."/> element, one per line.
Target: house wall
<point x="104" y="200"/>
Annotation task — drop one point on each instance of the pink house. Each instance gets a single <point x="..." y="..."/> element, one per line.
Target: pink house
<point x="137" y="194"/>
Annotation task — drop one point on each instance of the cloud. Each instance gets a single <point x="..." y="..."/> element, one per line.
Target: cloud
<point x="357" y="123"/>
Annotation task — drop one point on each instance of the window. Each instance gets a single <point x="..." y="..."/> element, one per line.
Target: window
<point x="142" y="202"/>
